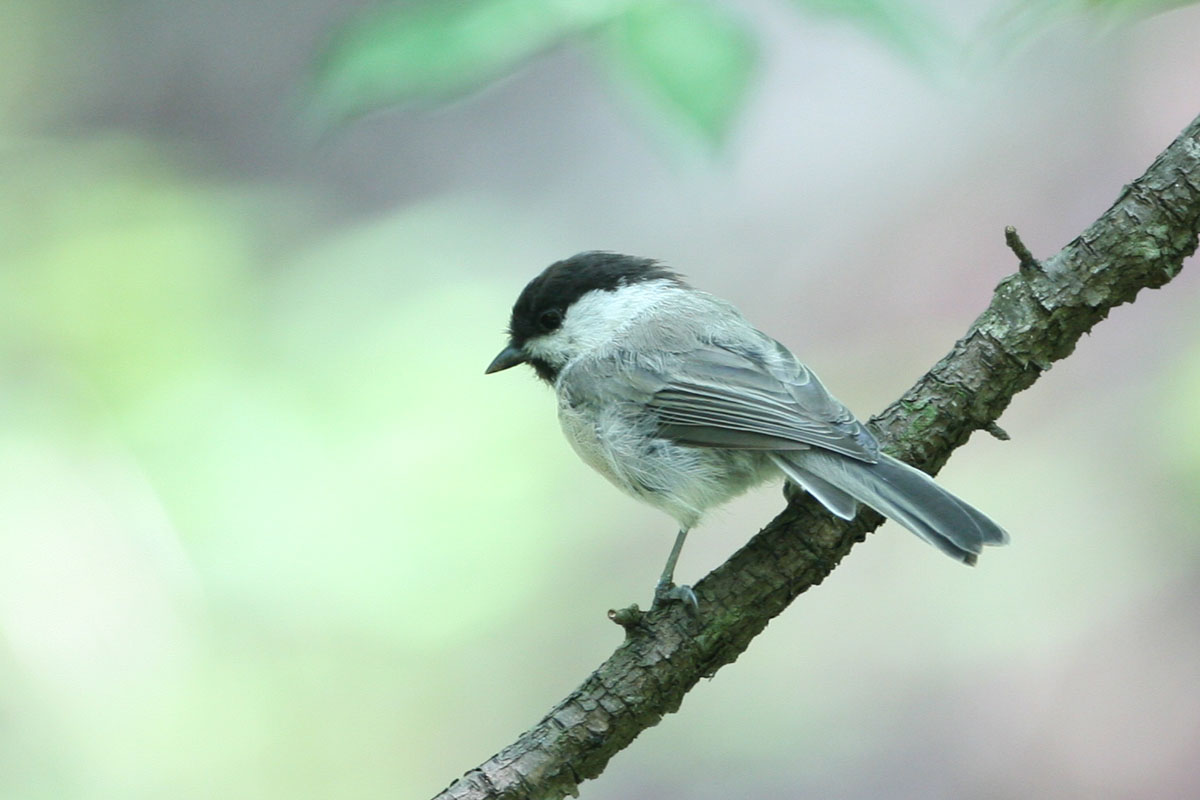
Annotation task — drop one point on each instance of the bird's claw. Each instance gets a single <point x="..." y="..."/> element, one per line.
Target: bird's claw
<point x="670" y="593"/>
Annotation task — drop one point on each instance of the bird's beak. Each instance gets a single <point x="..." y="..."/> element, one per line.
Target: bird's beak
<point x="509" y="357"/>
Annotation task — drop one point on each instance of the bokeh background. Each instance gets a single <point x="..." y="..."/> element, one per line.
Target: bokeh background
<point x="266" y="530"/>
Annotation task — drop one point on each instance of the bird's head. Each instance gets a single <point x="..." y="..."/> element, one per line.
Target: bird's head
<point x="578" y="304"/>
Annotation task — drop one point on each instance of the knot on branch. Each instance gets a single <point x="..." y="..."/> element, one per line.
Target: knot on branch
<point x="1027" y="261"/>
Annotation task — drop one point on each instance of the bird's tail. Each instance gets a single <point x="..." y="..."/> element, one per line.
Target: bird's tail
<point x="897" y="491"/>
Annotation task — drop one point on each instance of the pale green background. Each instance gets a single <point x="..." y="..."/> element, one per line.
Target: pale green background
<point x="267" y="531"/>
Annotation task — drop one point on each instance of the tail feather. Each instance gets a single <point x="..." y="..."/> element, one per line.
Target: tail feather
<point x="833" y="498"/>
<point x="899" y="492"/>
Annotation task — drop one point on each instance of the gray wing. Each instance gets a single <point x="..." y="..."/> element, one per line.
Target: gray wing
<point x="714" y="396"/>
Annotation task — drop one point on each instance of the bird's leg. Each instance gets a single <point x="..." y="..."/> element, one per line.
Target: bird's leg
<point x="668" y="573"/>
<point x="666" y="590"/>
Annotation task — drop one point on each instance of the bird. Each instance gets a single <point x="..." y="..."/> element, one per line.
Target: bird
<point x="680" y="402"/>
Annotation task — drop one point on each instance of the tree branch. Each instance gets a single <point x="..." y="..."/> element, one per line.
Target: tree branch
<point x="1035" y="318"/>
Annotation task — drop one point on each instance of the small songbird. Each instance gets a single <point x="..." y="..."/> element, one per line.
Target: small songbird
<point x="673" y="396"/>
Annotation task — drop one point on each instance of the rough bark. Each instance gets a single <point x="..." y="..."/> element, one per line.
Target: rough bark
<point x="1035" y="318"/>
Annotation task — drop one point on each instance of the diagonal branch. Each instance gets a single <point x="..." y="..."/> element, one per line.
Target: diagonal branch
<point x="1035" y="318"/>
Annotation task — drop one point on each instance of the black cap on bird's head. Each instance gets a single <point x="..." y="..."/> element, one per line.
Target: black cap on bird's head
<point x="543" y="303"/>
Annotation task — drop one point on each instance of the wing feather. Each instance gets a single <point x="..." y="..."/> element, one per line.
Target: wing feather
<point x="717" y="397"/>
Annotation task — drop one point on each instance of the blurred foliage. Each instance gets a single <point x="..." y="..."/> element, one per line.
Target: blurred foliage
<point x="1179" y="433"/>
<point x="404" y="52"/>
<point x="906" y="27"/>
<point x="130" y="302"/>
<point x="692" y="60"/>
<point x="222" y="477"/>
<point x="29" y="31"/>
<point x="690" y="56"/>
<point x="1013" y="25"/>
<point x="1123" y="6"/>
<point x="260" y="532"/>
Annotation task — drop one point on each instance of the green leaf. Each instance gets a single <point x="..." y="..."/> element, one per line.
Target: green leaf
<point x="403" y="52"/>
<point x="693" y="59"/>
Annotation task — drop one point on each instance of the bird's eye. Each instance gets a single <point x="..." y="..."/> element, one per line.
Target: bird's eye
<point x="550" y="319"/>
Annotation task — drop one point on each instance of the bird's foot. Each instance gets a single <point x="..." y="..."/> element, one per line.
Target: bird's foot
<point x="670" y="593"/>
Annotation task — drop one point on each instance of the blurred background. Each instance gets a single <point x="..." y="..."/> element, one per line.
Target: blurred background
<point x="266" y="530"/>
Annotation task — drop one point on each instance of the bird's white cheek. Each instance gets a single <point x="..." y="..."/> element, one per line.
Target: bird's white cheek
<point x="556" y="349"/>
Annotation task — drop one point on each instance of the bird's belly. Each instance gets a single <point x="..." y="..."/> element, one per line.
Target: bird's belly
<point x="682" y="481"/>
<point x="583" y="434"/>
